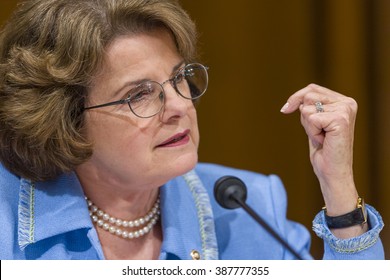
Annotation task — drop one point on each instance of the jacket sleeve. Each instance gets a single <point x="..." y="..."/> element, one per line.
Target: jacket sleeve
<point x="367" y="246"/>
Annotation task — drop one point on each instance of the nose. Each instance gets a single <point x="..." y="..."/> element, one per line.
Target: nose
<point x="175" y="106"/>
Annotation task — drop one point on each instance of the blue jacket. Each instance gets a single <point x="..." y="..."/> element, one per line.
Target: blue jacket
<point x="50" y="220"/>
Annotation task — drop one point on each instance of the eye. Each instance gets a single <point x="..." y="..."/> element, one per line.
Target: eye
<point x="141" y="93"/>
<point x="179" y="77"/>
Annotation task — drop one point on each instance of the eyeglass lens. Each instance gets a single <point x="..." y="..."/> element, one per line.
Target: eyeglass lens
<point x="147" y="99"/>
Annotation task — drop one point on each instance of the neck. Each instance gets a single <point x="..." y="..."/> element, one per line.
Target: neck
<point x="121" y="200"/>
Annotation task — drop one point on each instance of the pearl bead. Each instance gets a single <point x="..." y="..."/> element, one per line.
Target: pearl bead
<point x="112" y="229"/>
<point x="118" y="222"/>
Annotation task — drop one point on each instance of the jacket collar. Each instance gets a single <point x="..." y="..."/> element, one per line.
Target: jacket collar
<point x="50" y="208"/>
<point x="180" y="226"/>
<point x="187" y="220"/>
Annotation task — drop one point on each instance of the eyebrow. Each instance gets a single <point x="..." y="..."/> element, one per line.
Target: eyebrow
<point x="140" y="81"/>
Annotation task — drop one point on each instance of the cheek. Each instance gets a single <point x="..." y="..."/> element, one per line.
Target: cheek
<point x="112" y="133"/>
<point x="194" y="125"/>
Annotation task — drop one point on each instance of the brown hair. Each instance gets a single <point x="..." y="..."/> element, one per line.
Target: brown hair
<point x="49" y="52"/>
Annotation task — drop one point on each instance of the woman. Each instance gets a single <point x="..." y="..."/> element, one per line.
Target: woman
<point x="99" y="145"/>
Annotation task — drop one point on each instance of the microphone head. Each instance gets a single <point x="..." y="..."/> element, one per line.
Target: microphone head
<point x="227" y="189"/>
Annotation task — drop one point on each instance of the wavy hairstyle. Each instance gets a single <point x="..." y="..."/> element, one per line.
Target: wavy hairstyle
<point x="49" y="52"/>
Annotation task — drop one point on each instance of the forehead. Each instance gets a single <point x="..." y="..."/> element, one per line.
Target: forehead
<point x="134" y="50"/>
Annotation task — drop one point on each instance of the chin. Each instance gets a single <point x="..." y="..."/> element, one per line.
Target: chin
<point x="174" y="169"/>
<point x="183" y="165"/>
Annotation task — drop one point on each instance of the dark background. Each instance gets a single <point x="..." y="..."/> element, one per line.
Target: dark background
<point x="262" y="51"/>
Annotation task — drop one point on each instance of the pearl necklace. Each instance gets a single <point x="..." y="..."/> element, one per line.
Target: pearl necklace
<point x="118" y="227"/>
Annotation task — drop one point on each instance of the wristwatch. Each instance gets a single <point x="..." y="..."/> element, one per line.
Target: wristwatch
<point x="355" y="217"/>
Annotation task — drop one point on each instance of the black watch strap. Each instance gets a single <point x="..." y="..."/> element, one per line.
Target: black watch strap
<point x="355" y="217"/>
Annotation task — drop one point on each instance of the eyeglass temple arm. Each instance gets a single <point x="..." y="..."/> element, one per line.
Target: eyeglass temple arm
<point x="122" y="101"/>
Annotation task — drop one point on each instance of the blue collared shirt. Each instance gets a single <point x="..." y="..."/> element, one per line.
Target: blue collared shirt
<point x="50" y="220"/>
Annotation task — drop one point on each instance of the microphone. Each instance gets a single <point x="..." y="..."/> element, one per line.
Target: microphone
<point x="230" y="192"/>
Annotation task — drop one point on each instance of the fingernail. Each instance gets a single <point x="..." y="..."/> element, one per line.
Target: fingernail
<point x="284" y="108"/>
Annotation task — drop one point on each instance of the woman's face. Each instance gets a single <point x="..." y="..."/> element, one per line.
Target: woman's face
<point x="129" y="150"/>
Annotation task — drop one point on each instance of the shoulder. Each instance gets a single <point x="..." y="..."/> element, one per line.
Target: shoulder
<point x="9" y="187"/>
<point x="9" y="197"/>
<point x="259" y="185"/>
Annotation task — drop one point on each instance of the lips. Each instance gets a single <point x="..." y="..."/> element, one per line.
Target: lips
<point x="176" y="140"/>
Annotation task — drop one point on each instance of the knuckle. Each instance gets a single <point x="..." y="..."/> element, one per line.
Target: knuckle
<point x="312" y="86"/>
<point x="350" y="106"/>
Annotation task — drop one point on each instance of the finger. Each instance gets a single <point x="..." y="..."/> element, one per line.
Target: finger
<point x="314" y="130"/>
<point x="308" y="108"/>
<point x="309" y="95"/>
<point x="314" y="123"/>
<point x="335" y="121"/>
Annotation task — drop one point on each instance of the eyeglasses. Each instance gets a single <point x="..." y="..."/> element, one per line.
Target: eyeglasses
<point x="147" y="99"/>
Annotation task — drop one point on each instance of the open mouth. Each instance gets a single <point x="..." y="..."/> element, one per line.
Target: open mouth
<point x="176" y="140"/>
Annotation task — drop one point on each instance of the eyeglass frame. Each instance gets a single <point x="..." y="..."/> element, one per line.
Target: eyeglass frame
<point x="171" y="81"/>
